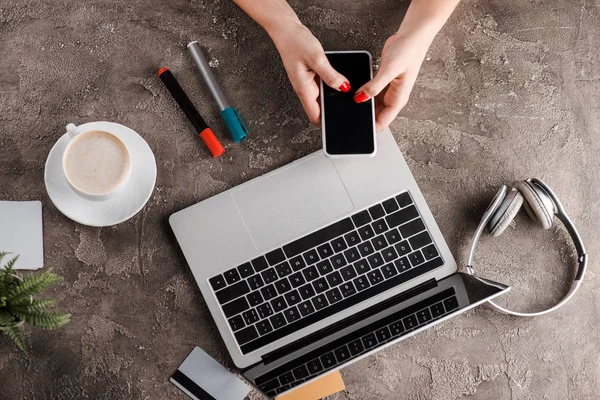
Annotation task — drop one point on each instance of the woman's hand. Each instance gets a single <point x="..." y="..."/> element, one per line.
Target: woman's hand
<point x="304" y="58"/>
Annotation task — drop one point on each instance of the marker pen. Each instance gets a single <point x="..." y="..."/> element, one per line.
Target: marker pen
<point x="190" y="112"/>
<point x="230" y="115"/>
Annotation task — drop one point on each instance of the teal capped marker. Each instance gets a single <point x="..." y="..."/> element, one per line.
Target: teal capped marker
<point x="230" y="115"/>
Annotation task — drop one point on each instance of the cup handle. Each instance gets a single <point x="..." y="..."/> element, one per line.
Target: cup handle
<point x="72" y="130"/>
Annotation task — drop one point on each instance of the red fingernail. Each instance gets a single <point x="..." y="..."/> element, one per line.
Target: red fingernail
<point x="345" y="87"/>
<point x="360" y="97"/>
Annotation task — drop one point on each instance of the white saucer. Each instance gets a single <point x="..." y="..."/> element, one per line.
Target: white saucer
<point x="125" y="203"/>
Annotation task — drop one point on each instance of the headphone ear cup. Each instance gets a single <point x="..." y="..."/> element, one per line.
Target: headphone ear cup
<point x="505" y="213"/>
<point x="537" y="204"/>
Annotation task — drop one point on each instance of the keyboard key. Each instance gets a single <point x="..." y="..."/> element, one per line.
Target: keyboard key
<point x="259" y="263"/>
<point x="352" y="254"/>
<point x="245" y="270"/>
<point x="362" y="266"/>
<point x="411" y="228"/>
<point x="324" y="267"/>
<point x="375" y="277"/>
<point x="410" y="322"/>
<point x="232" y="292"/>
<point x="246" y="335"/>
<point x="430" y="252"/>
<point x="300" y="372"/>
<point x="333" y="295"/>
<point x="369" y="341"/>
<point x="314" y="366"/>
<point x="375" y="260"/>
<point x="325" y="250"/>
<point x="275" y="257"/>
<point x="420" y="240"/>
<point x="402" y="264"/>
<point x="269" y="275"/>
<point x="334" y="279"/>
<point x="217" y="282"/>
<point x="383" y="334"/>
<point x="342" y="353"/>
<point x="250" y="317"/>
<point x="396" y="328"/>
<point x="437" y="309"/>
<point x="366" y="232"/>
<point x="271" y="385"/>
<point x="264" y="327"/>
<point x="254" y="299"/>
<point x="286" y="378"/>
<point x="338" y="261"/>
<point x="403" y="199"/>
<point x="379" y="226"/>
<point x="393" y="236"/>
<point x="361" y="218"/>
<point x="320" y="285"/>
<point x="264" y="310"/>
<point x="403" y="248"/>
<point x="328" y="360"/>
<point x="310" y="273"/>
<point x="347" y="289"/>
<point x="306" y="308"/>
<point x="291" y="314"/>
<point x="365" y="249"/>
<point x="361" y="283"/>
<point x="416" y="258"/>
<point x="278" y="304"/>
<point x="283" y="285"/>
<point x="278" y="320"/>
<point x="311" y="257"/>
<point x="306" y="291"/>
<point x="297" y="263"/>
<point x="450" y="303"/>
<point x="402" y="216"/>
<point x="320" y="302"/>
<point x="283" y="269"/>
<point x="339" y="244"/>
<point x="319" y="237"/>
<point x="424" y="316"/>
<point x="236" y="323"/>
<point x="255" y="281"/>
<point x="376" y="211"/>
<point x="292" y="298"/>
<point x="356" y="347"/>
<point x="268" y="292"/>
<point x="390" y="206"/>
<point x="388" y="270"/>
<point x="352" y="238"/>
<point x="232" y="276"/>
<point x="297" y="279"/>
<point x="379" y="242"/>
<point x="389" y="254"/>
<point x="348" y="273"/>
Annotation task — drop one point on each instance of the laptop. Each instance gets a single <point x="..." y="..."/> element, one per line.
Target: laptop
<point x="322" y="262"/>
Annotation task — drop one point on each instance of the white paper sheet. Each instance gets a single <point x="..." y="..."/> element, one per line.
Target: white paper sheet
<point x="21" y="233"/>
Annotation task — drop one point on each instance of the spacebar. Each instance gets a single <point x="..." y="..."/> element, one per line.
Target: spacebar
<point x="319" y="237"/>
<point x="341" y="305"/>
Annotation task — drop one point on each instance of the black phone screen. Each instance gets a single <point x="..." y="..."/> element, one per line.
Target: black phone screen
<point x="348" y="125"/>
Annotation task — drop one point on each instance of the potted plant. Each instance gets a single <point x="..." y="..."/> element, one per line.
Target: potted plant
<point x="17" y="305"/>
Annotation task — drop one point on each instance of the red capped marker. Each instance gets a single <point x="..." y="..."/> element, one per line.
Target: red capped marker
<point x="184" y="102"/>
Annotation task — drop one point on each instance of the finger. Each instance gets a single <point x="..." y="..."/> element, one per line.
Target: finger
<point x="395" y="98"/>
<point x="376" y="85"/>
<point x="308" y="95"/>
<point x="329" y="75"/>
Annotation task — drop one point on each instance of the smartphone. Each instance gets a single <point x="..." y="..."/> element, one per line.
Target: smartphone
<point x="348" y="128"/>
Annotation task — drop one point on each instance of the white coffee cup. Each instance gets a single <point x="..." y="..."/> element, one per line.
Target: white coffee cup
<point x="96" y="163"/>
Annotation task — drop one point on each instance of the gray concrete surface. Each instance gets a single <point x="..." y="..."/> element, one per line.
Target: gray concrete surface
<point x="509" y="90"/>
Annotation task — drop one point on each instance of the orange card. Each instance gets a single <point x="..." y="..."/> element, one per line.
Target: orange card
<point x="322" y="387"/>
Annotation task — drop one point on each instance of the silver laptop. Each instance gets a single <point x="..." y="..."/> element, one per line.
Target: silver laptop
<point x="320" y="263"/>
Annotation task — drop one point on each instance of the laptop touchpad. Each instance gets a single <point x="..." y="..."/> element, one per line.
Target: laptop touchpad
<point x="293" y="201"/>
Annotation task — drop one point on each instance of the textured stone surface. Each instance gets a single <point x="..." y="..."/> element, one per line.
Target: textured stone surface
<point x="509" y="90"/>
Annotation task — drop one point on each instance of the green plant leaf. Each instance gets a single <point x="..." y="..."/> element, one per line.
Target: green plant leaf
<point x="32" y="284"/>
<point x="9" y="265"/>
<point x="33" y="305"/>
<point x="16" y="335"/>
<point x="2" y="255"/>
<point x="6" y="318"/>
<point x="43" y="319"/>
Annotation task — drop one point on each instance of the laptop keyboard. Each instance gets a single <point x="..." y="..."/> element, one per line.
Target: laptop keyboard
<point x="354" y="344"/>
<point x="325" y="272"/>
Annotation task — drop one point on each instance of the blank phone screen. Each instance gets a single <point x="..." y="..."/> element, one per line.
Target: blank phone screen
<point x="348" y="126"/>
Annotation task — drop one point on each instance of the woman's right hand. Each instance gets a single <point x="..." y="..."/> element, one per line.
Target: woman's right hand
<point x="304" y="58"/>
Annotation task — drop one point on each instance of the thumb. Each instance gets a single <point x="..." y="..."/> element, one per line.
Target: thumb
<point x="374" y="86"/>
<point x="329" y="75"/>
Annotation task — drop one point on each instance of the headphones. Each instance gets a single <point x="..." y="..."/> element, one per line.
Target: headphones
<point x="542" y="205"/>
